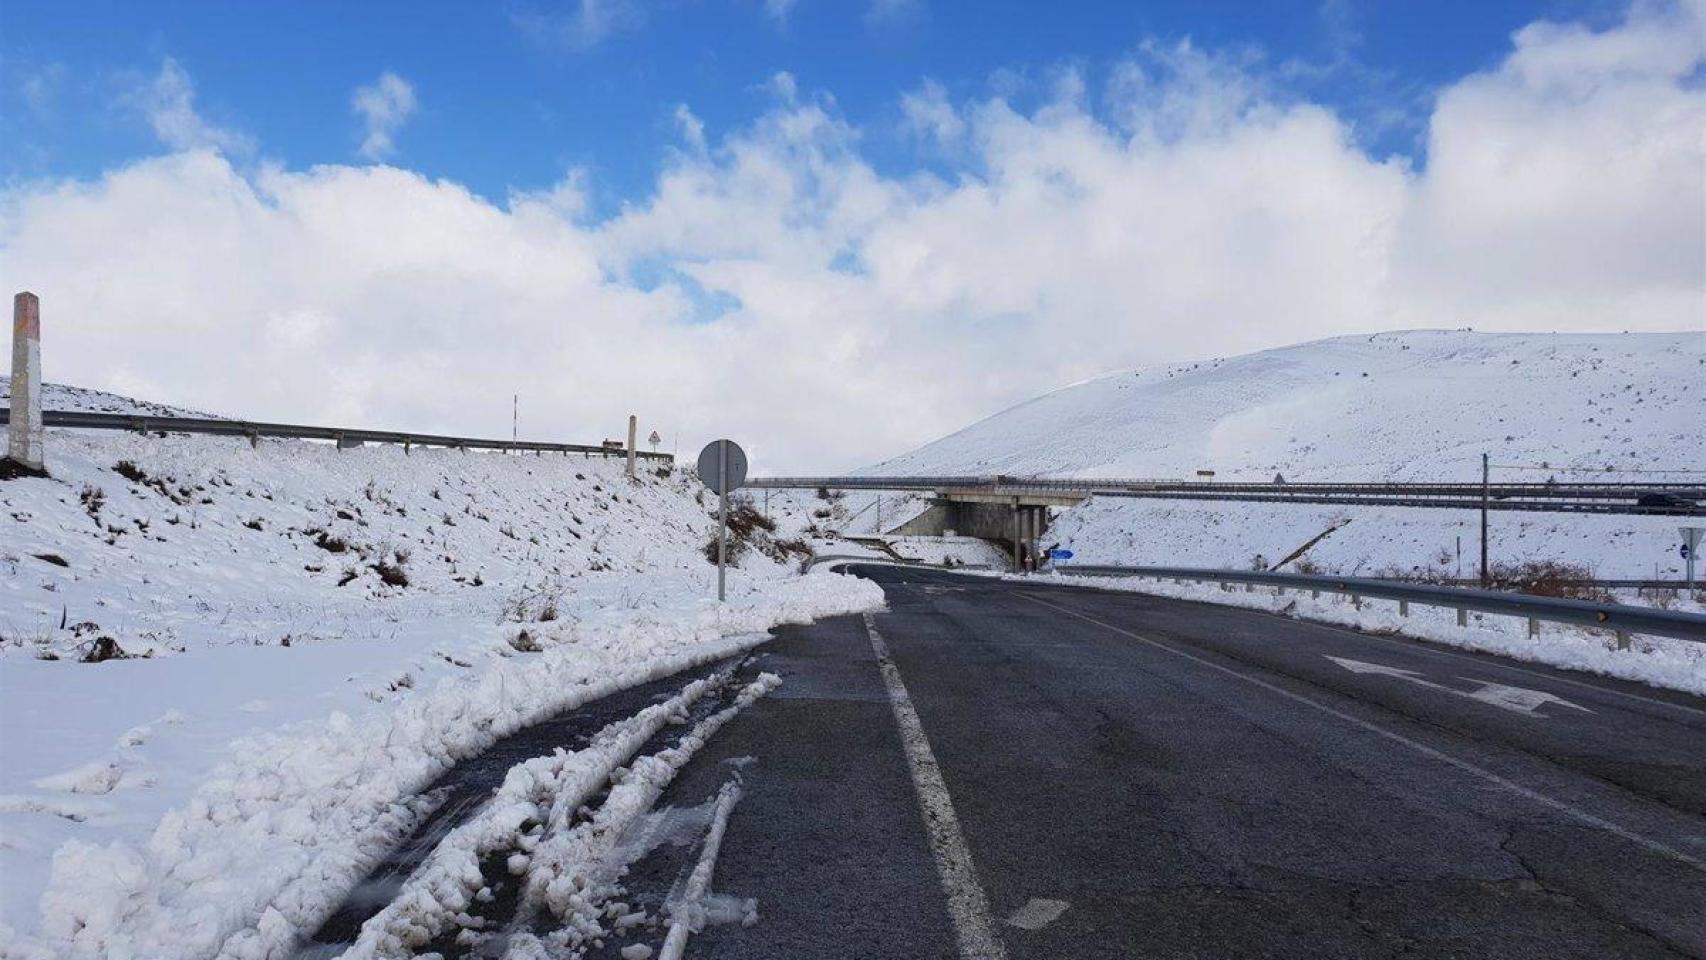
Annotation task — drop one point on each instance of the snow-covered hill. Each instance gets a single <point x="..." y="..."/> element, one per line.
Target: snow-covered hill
<point x="306" y="636"/>
<point x="60" y="396"/>
<point x="1414" y="405"/>
<point x="1411" y="405"/>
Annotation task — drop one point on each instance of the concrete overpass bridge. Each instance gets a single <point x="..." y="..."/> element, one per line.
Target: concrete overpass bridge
<point x="1015" y="510"/>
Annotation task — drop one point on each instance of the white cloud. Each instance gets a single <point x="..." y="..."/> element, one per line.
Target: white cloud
<point x="893" y="13"/>
<point x="384" y="106"/>
<point x="586" y="24"/>
<point x="692" y="128"/>
<point x="167" y="102"/>
<point x="1198" y="213"/>
<point x="929" y="114"/>
<point x="779" y="10"/>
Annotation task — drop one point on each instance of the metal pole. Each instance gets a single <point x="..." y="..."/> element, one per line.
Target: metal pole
<point x="722" y="511"/>
<point x="1486" y="575"/>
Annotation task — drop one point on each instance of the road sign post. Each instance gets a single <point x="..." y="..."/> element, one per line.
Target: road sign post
<point x="1690" y="550"/>
<point x="722" y="467"/>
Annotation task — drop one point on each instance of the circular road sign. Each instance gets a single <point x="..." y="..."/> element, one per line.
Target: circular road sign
<point x="712" y="471"/>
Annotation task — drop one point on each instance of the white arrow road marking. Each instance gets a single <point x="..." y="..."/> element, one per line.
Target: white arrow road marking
<point x="1518" y="699"/>
<point x="1515" y="699"/>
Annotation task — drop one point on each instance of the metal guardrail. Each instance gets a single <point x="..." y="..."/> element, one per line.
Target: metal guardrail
<point x="1620" y="498"/>
<point x="1622" y="618"/>
<point x="252" y="430"/>
<point x="815" y="559"/>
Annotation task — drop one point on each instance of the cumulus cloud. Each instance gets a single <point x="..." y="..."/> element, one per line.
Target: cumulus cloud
<point x="167" y="102"/>
<point x="383" y="106"/>
<point x="930" y="115"/>
<point x="1195" y="210"/>
<point x="586" y="23"/>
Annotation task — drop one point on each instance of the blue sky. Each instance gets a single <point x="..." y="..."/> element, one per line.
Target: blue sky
<point x="837" y="228"/>
<point x="512" y="94"/>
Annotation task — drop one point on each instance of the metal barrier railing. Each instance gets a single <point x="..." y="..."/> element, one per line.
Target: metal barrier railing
<point x="1618" y="617"/>
<point x="144" y="423"/>
<point x="1649" y="499"/>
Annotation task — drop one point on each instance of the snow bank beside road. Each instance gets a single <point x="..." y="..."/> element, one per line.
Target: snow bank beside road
<point x="314" y="635"/>
<point x="271" y="840"/>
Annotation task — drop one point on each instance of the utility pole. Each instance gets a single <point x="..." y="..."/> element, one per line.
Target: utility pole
<point x="514" y="417"/>
<point x="1486" y="575"/>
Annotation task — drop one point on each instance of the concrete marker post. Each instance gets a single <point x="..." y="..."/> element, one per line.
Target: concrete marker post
<point x="26" y="441"/>
<point x="633" y="438"/>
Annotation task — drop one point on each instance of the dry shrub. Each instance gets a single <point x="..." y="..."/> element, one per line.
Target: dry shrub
<point x="1548" y="578"/>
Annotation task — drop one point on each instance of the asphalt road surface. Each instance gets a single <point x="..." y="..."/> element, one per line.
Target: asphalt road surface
<point x="995" y="769"/>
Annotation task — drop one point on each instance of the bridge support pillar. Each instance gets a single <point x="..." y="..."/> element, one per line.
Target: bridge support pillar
<point x="1018" y="543"/>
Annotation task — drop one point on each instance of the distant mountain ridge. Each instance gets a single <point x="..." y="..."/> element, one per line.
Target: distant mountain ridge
<point x="1406" y="406"/>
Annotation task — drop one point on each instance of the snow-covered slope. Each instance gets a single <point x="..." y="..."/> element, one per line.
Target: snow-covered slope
<point x="60" y="396"/>
<point x="308" y="637"/>
<point x="1412" y="405"/>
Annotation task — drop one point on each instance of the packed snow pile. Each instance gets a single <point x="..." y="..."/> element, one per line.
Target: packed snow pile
<point x="227" y="671"/>
<point x="1406" y="406"/>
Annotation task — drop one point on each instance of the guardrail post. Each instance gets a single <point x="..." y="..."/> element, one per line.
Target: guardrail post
<point x="1533" y="627"/>
<point x="26" y="440"/>
<point x="1622" y="640"/>
<point x="1463" y="616"/>
<point x="1403" y="608"/>
<point x="1356" y="602"/>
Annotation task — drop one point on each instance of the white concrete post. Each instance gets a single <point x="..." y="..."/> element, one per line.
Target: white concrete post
<point x="25" y="441"/>
<point x="633" y="437"/>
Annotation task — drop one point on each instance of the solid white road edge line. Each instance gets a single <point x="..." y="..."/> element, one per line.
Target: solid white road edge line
<point x="968" y="907"/>
<point x="1582" y="815"/>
